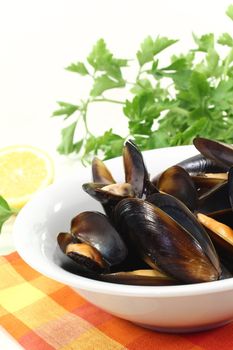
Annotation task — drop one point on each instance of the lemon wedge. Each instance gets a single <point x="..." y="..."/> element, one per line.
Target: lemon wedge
<point x="23" y="171"/>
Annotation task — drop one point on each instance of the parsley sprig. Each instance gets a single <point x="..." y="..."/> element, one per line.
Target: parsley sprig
<point x="5" y="211"/>
<point x="169" y="105"/>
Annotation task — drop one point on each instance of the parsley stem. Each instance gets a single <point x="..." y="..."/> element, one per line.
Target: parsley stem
<point x="84" y="115"/>
<point x="108" y="100"/>
<point x="139" y="73"/>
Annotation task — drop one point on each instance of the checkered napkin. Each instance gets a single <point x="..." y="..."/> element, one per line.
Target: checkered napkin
<point x="42" y="314"/>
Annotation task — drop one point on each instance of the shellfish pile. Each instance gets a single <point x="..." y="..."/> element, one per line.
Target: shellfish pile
<point x="175" y="228"/>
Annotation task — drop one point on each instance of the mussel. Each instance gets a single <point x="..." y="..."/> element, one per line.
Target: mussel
<point x="100" y="172"/>
<point x="219" y="223"/>
<point x="147" y="277"/>
<point x="93" y="243"/>
<point x="177" y="182"/>
<point x="105" y="189"/>
<point x="200" y="164"/>
<point x="177" y="228"/>
<point x="165" y="242"/>
<point x="219" y="152"/>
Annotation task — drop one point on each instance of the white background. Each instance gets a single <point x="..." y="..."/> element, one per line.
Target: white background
<point x="39" y="38"/>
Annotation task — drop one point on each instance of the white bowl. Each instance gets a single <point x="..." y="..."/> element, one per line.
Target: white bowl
<point x="181" y="308"/>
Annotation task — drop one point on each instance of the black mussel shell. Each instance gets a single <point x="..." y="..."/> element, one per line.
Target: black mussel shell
<point x="96" y="230"/>
<point x="135" y="169"/>
<point x="217" y="198"/>
<point x="88" y="259"/>
<point x="140" y="278"/>
<point x="63" y="239"/>
<point x="184" y="217"/>
<point x="219" y="152"/>
<point x="177" y="182"/>
<point x="96" y="192"/>
<point x="223" y="245"/>
<point x="100" y="172"/>
<point x="157" y="236"/>
<point x="204" y="183"/>
<point x="199" y="164"/>
<point x="107" y="198"/>
<point x="230" y="186"/>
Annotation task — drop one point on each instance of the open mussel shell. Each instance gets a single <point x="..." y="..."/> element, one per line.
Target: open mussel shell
<point x="217" y="198"/>
<point x="184" y="217"/>
<point x="135" y="169"/>
<point x="219" y="152"/>
<point x="172" y="248"/>
<point x="63" y="239"/>
<point x="230" y="186"/>
<point x="205" y="182"/>
<point x="177" y="182"/>
<point x="96" y="230"/>
<point x="221" y="233"/>
<point x="140" y="278"/>
<point x="199" y="164"/>
<point x="87" y="258"/>
<point x="96" y="192"/>
<point x="100" y="172"/>
<point x="108" y="195"/>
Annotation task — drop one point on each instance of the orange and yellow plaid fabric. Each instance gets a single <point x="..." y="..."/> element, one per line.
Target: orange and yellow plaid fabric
<point x="42" y="314"/>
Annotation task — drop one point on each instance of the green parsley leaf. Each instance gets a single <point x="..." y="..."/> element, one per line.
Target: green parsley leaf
<point x="150" y="48"/>
<point x="161" y="43"/>
<point x="205" y="42"/>
<point x="104" y="82"/>
<point x="212" y="59"/>
<point x="229" y="11"/>
<point x="147" y="51"/>
<point x="77" y="146"/>
<point x="111" y="144"/>
<point x="67" y="143"/>
<point x="5" y="211"/>
<point x="78" y="67"/>
<point x="226" y="39"/>
<point x="102" y="60"/>
<point x="66" y="109"/>
<point x="166" y="104"/>
<point x="178" y="64"/>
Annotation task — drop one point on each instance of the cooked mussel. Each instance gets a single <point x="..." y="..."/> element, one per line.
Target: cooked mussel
<point x="104" y="188"/>
<point x="135" y="170"/>
<point x="93" y="242"/>
<point x="219" y="152"/>
<point x="100" y="172"/>
<point x="175" y="229"/>
<point x="199" y="164"/>
<point x="184" y="217"/>
<point x="165" y="242"/>
<point x="177" y="182"/>
<point x="109" y="195"/>
<point x="219" y="226"/>
<point x="206" y="182"/>
<point x="88" y="259"/>
<point x="217" y="198"/>
<point x="147" y="277"/>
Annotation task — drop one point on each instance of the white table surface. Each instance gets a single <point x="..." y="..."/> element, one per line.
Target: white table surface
<point x="40" y="38"/>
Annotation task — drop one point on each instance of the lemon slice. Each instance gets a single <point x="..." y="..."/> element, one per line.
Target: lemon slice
<point x="23" y="171"/>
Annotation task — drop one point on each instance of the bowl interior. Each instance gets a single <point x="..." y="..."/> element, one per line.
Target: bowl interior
<point x="51" y="211"/>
